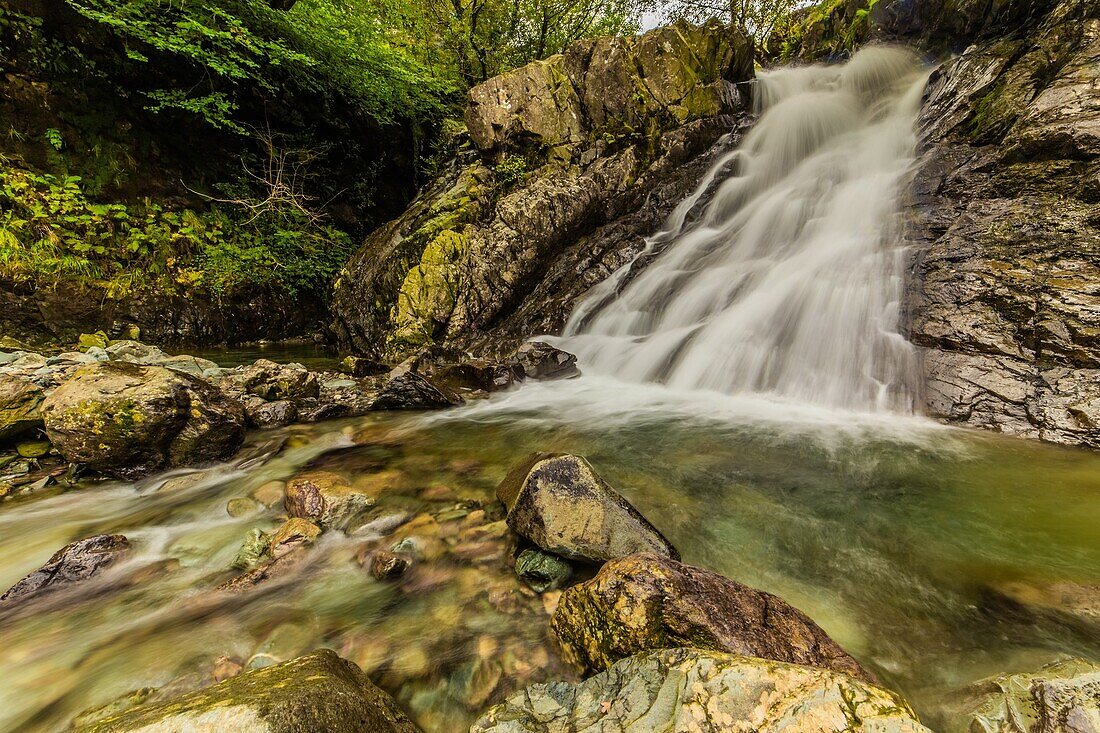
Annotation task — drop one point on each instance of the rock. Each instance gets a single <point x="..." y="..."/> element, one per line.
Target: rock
<point x="20" y="403"/>
<point x="1063" y="697"/>
<point x="325" y="498"/>
<point x="90" y="340"/>
<point x="542" y="571"/>
<point x="255" y="550"/>
<point x="1002" y="219"/>
<point x="580" y="157"/>
<point x="273" y="381"/>
<point x="387" y="565"/>
<point x="269" y="494"/>
<point x="292" y="534"/>
<point x="476" y="681"/>
<point x="645" y="602"/>
<point x="33" y="448"/>
<point x="359" y="367"/>
<point x="540" y="360"/>
<point x="224" y="668"/>
<point x="243" y="507"/>
<point x="406" y="390"/>
<point x="559" y="502"/>
<point x="127" y="420"/>
<point x="704" y="692"/>
<point x="73" y="563"/>
<point x="271" y="414"/>
<point x="317" y="692"/>
<point x="1066" y="603"/>
<point x="117" y="706"/>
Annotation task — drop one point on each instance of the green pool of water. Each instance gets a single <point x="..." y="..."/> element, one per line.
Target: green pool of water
<point x="898" y="536"/>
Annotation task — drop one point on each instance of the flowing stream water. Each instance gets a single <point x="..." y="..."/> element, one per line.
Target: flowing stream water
<point x="746" y="390"/>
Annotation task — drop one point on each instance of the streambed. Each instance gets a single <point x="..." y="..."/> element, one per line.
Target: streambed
<point x="897" y="535"/>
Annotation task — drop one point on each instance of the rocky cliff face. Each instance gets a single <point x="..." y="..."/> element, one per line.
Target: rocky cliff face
<point x="572" y="161"/>
<point x="1005" y="294"/>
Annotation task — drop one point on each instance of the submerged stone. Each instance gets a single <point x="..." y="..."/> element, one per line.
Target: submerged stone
<point x="74" y="562"/>
<point x="317" y="692"/>
<point x="645" y="602"/>
<point x="703" y="692"/>
<point x="542" y="571"/>
<point x="325" y="498"/>
<point x="560" y="503"/>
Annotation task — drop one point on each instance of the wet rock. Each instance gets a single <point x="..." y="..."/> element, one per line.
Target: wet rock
<point x="255" y="550"/>
<point x="273" y="381"/>
<point x="20" y="402"/>
<point x="404" y="389"/>
<point x="269" y="494"/>
<point x="359" y="367"/>
<point x="317" y="692"/>
<point x="292" y="534"/>
<point x="647" y="602"/>
<point x="1066" y="603"/>
<point x="33" y="448"/>
<point x="116" y="707"/>
<point x="538" y="360"/>
<point x="325" y="498"/>
<point x="276" y="568"/>
<point x="127" y="420"/>
<point x="1063" y="697"/>
<point x="560" y="503"/>
<point x="271" y="414"/>
<point x="705" y="692"/>
<point x="542" y="571"/>
<point x="225" y="667"/>
<point x="385" y="565"/>
<point x="243" y="507"/>
<point x="476" y="681"/>
<point x="73" y="563"/>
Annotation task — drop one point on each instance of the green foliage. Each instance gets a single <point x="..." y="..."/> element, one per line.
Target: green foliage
<point x="510" y="171"/>
<point x="237" y="47"/>
<point x="51" y="235"/>
<point x="53" y="137"/>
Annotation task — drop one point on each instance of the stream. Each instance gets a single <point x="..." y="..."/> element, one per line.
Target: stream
<point x="893" y="533"/>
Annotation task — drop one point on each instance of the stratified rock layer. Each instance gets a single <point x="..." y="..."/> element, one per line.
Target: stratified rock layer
<point x="645" y="602"/>
<point x="1005" y="300"/>
<point x="703" y="692"/>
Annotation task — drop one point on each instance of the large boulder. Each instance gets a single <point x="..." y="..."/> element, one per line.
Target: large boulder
<point x="560" y="503"/>
<point x="273" y="381"/>
<point x="128" y="420"/>
<point x="539" y="360"/>
<point x="703" y="692"/>
<point x="1063" y="697"/>
<point x="74" y="562"/>
<point x="404" y="389"/>
<point x="20" y="401"/>
<point x="647" y="602"/>
<point x="317" y="692"/>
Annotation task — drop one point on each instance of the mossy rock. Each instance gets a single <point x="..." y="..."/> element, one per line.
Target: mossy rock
<point x="20" y="407"/>
<point x="317" y="692"/>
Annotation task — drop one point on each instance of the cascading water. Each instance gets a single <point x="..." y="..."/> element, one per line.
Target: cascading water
<point x="782" y="273"/>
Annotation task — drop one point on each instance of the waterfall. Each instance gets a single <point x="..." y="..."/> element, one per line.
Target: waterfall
<point x="782" y="273"/>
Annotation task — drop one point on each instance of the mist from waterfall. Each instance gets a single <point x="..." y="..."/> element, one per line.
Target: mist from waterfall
<point x="782" y="273"/>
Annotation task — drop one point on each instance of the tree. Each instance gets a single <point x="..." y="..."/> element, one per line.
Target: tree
<point x="760" y="17"/>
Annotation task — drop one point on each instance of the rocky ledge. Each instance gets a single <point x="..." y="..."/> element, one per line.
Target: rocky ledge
<point x="127" y="409"/>
<point x="571" y="163"/>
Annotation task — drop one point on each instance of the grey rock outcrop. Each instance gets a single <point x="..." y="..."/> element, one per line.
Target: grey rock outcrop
<point x="703" y="692"/>
<point x="1006" y="282"/>
<point x="565" y="153"/>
